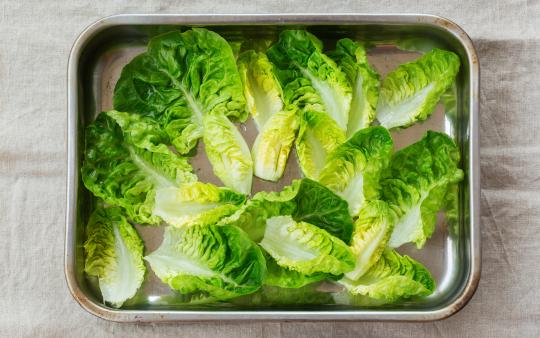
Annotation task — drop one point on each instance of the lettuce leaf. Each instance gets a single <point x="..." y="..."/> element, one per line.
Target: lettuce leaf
<point x="310" y="78"/>
<point x="228" y="153"/>
<point x="305" y="200"/>
<point x="305" y="248"/>
<point x="410" y="93"/>
<point x="196" y="203"/>
<point x="316" y="86"/>
<point x="218" y="262"/>
<point x="416" y="183"/>
<point x="288" y="278"/>
<point x="125" y="168"/>
<point x="189" y="84"/>
<point x="114" y="254"/>
<point x="391" y="279"/>
<point x="351" y="57"/>
<point x="262" y="90"/>
<point x="353" y="169"/>
<point x="277" y="125"/>
<point x="371" y="233"/>
<point x="318" y="136"/>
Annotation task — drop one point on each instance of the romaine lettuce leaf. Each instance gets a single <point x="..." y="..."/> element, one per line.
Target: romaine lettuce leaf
<point x="228" y="153"/>
<point x="410" y="93"/>
<point x="261" y="88"/>
<point x="305" y="200"/>
<point x="286" y="278"/>
<point x="318" y="136"/>
<point x="277" y="125"/>
<point x="364" y="79"/>
<point x="391" y="279"/>
<point x="219" y="262"/>
<point x="124" y="169"/>
<point x="415" y="185"/>
<point x="189" y="84"/>
<point x="353" y="169"/>
<point x="196" y="203"/>
<point x="114" y="254"/>
<point x="141" y="131"/>
<point x="298" y="57"/>
<point x="273" y="144"/>
<point x="371" y="233"/>
<point x="181" y="77"/>
<point x="305" y="248"/>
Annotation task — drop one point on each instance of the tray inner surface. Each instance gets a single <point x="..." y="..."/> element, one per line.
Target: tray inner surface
<point x="442" y="254"/>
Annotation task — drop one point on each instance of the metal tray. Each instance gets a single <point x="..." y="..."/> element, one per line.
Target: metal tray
<point x="452" y="255"/>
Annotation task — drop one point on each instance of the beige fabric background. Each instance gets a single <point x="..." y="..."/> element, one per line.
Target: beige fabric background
<point x="35" y="39"/>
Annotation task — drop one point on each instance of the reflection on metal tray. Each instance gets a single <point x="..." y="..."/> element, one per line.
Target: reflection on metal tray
<point x="452" y="254"/>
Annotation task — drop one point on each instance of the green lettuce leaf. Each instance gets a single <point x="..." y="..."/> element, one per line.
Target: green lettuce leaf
<point x="277" y="126"/>
<point x="318" y="136"/>
<point x="124" y="169"/>
<point x="261" y="88"/>
<point x="114" y="254"/>
<point x="364" y="79"/>
<point x="353" y="169"/>
<point x="371" y="233"/>
<point x="316" y="86"/>
<point x="189" y="84"/>
<point x="415" y="185"/>
<point x="305" y="248"/>
<point x="287" y="278"/>
<point x="141" y="132"/>
<point x="228" y="153"/>
<point x="196" y="203"/>
<point x="305" y="200"/>
<point x="410" y="93"/>
<point x="219" y="262"/>
<point x="391" y="279"/>
<point x="298" y="57"/>
<point x="178" y="79"/>
<point x="252" y="216"/>
<point x="272" y="146"/>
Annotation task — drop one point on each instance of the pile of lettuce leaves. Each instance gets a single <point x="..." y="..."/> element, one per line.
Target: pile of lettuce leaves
<point x="332" y="234"/>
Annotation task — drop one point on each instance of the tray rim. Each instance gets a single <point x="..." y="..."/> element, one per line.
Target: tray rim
<point x="272" y="19"/>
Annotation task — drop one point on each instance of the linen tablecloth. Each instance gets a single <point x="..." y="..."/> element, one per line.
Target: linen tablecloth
<point x="35" y="40"/>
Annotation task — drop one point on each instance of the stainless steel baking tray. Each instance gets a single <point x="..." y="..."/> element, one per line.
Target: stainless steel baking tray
<point x="453" y="254"/>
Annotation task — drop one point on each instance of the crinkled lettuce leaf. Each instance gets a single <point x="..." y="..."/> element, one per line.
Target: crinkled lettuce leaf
<point x="318" y="136"/>
<point x="318" y="88"/>
<point x="125" y="168"/>
<point x="114" y="254"/>
<point x="305" y="200"/>
<point x="410" y="92"/>
<point x="196" y="203"/>
<point x="309" y="77"/>
<point x="353" y="169"/>
<point x="287" y="278"/>
<point x="391" y="279"/>
<point x="261" y="88"/>
<point x="305" y="248"/>
<point x="228" y="153"/>
<point x="214" y="262"/>
<point x="189" y="84"/>
<point x="273" y="144"/>
<point x="416" y="183"/>
<point x="181" y="77"/>
<point x="351" y="57"/>
<point x="277" y="125"/>
<point x="372" y="230"/>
